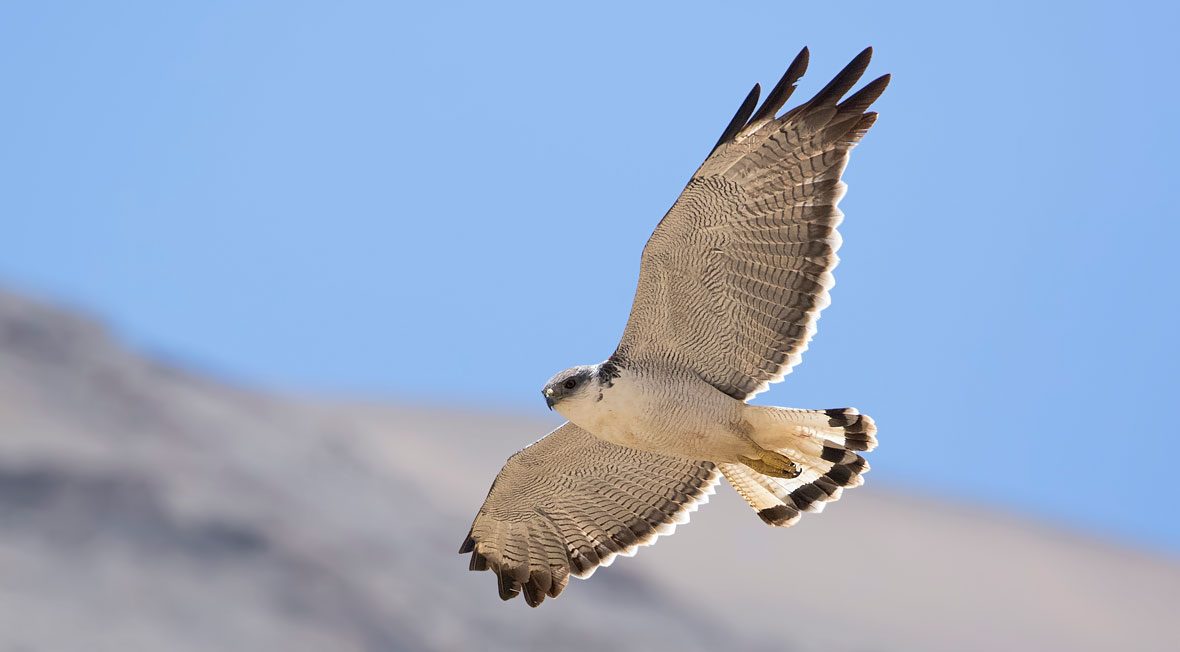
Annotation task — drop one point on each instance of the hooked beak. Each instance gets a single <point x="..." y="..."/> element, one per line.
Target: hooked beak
<point x="548" y="394"/>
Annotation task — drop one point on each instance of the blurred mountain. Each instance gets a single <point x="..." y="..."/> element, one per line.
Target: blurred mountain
<point x="146" y="508"/>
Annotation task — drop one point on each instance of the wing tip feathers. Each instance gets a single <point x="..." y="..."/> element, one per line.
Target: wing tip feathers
<point x="516" y="579"/>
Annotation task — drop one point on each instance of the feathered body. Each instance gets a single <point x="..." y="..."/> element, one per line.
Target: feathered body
<point x="661" y="411"/>
<point x="731" y="285"/>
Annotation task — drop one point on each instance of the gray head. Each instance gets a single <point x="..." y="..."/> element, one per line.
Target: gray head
<point x="571" y="386"/>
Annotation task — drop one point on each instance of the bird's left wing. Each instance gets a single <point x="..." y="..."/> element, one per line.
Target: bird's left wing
<point x="735" y="275"/>
<point x="571" y="502"/>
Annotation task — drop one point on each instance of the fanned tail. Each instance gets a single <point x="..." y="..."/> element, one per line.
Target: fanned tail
<point x="821" y="442"/>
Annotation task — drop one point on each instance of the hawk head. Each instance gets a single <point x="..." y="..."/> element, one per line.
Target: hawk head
<point x="572" y="388"/>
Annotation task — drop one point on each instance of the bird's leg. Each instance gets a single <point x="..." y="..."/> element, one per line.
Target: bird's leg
<point x="773" y="464"/>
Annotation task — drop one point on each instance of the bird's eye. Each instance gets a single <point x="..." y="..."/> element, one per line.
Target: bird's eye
<point x="570" y="383"/>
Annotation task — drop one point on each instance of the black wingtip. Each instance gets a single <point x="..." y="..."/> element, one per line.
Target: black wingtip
<point x="468" y="545"/>
<point x="799" y="64"/>
<point x="740" y="118"/>
<point x="778" y="96"/>
<point x="478" y="562"/>
<point x="863" y="98"/>
<point x="845" y="79"/>
<point x="509" y="587"/>
<point x="784" y="88"/>
<point x="533" y="596"/>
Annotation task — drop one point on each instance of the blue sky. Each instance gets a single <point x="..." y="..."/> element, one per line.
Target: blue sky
<point x="447" y="204"/>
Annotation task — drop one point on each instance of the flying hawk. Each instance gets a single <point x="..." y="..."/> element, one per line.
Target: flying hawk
<point x="731" y="284"/>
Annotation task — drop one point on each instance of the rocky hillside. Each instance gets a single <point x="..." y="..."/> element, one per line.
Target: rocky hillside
<point x="144" y="508"/>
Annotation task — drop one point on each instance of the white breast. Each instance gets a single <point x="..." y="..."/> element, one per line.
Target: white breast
<point x="681" y="416"/>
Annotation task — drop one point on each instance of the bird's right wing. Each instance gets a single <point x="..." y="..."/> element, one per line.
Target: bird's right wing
<point x="571" y="502"/>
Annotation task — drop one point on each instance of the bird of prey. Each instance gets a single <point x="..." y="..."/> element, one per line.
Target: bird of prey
<point x="731" y="284"/>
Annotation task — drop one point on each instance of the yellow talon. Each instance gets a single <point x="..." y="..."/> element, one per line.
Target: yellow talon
<point x="774" y="464"/>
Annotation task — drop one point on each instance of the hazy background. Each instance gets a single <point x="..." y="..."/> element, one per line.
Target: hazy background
<point x="441" y="205"/>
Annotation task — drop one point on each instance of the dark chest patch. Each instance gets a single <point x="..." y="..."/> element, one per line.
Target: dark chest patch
<point x="608" y="372"/>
